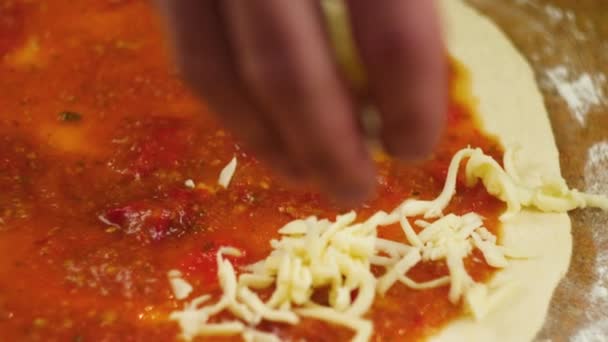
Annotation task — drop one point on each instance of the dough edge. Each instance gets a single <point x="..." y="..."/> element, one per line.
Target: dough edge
<point x="517" y="116"/>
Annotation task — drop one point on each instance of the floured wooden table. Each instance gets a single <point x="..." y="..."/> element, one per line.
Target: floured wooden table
<point x="567" y="44"/>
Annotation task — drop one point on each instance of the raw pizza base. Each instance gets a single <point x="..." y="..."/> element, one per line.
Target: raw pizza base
<point x="511" y="107"/>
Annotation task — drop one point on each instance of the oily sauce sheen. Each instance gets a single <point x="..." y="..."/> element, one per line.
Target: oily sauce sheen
<point x="98" y="136"/>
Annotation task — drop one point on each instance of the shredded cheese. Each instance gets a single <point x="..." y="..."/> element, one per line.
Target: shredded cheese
<point x="314" y="254"/>
<point x="405" y="264"/>
<point x="181" y="288"/>
<point x="189" y="183"/>
<point x="252" y="335"/>
<point x="227" y="173"/>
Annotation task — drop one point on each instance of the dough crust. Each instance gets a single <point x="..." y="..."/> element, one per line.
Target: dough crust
<point x="510" y="106"/>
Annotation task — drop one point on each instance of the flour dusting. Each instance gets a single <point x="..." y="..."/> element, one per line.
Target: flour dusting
<point x="554" y="13"/>
<point x="565" y="38"/>
<point x="599" y="292"/>
<point x="596" y="181"/>
<point x="557" y="14"/>
<point x="580" y="93"/>
<point x="594" y="334"/>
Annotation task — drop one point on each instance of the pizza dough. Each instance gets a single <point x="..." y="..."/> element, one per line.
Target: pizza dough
<point x="511" y="107"/>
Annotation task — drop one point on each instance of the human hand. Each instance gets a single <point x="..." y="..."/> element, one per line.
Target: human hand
<point x="267" y="68"/>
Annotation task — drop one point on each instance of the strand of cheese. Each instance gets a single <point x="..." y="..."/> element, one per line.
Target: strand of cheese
<point x="252" y="335"/>
<point x="227" y="173"/>
<point x="403" y="266"/>
<point x="193" y="319"/>
<point x="181" y="288"/>
<point x="316" y="254"/>
<point x="442" y="281"/>
<point x="551" y="195"/>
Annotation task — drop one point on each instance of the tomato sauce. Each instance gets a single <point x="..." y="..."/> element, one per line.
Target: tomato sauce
<point x="98" y="136"/>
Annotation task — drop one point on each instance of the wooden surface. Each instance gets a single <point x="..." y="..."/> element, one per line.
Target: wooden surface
<point x="571" y="36"/>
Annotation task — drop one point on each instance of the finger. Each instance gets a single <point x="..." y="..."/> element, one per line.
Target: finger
<point x="286" y="62"/>
<point x="204" y="58"/>
<point x="401" y="48"/>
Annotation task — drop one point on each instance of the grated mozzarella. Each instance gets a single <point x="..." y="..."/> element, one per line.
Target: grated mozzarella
<point x="252" y="335"/>
<point x="313" y="254"/>
<point x="181" y="288"/>
<point x="227" y="173"/>
<point x="189" y="183"/>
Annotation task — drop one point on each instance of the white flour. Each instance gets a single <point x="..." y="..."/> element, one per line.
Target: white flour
<point x="580" y="93"/>
<point x="599" y="292"/>
<point x="595" y="333"/>
<point x="557" y="14"/>
<point x="596" y="180"/>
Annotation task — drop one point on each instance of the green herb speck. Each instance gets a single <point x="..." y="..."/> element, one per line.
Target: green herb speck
<point x="68" y="116"/>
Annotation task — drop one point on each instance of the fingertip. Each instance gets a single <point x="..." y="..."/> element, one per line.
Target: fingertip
<point x="414" y="137"/>
<point x="403" y="52"/>
<point x="413" y="126"/>
<point x="354" y="185"/>
<point x="353" y="196"/>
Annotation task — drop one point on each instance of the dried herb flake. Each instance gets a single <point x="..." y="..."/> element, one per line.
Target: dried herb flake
<point x="69" y="116"/>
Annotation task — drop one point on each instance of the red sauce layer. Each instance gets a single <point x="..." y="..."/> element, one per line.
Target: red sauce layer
<point x="98" y="135"/>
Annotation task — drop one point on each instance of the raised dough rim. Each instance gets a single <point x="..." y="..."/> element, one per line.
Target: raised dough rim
<point x="516" y="114"/>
